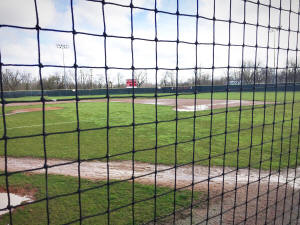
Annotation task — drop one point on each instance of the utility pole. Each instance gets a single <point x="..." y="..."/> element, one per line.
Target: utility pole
<point x="91" y="78"/>
<point x="63" y="47"/>
<point x="146" y="79"/>
<point x="273" y="30"/>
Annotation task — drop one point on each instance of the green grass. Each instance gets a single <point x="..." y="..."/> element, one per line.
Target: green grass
<point x="270" y="96"/>
<point x="93" y="201"/>
<point x="256" y="146"/>
<point x="93" y="143"/>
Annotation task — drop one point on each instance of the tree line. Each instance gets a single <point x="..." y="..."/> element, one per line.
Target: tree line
<point x="249" y="74"/>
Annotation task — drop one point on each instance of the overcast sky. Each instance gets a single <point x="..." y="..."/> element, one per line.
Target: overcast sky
<point x="20" y="46"/>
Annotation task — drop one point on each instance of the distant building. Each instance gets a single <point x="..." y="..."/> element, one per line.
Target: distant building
<point x="131" y="83"/>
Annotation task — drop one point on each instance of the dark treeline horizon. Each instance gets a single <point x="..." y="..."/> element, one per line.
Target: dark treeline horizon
<point x="249" y="74"/>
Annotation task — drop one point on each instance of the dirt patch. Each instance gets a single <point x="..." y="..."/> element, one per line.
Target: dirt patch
<point x="17" y="111"/>
<point x="25" y="190"/>
<point x="50" y="102"/>
<point x="287" y="181"/>
<point x="182" y="104"/>
<point x="189" y="104"/>
<point x="144" y="172"/>
<point x="257" y="204"/>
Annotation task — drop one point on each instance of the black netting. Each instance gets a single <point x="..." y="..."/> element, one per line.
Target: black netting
<point x="224" y="152"/>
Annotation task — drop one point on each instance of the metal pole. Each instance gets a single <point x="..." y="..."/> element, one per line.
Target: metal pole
<point x="274" y="31"/>
<point x="274" y="53"/>
<point x="274" y="48"/>
<point x="63" y="47"/>
<point x="91" y="78"/>
<point x="64" y="80"/>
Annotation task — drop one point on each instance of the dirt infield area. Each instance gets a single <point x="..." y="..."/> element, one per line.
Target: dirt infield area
<point x="32" y="110"/>
<point x="189" y="104"/>
<point x="182" y="104"/>
<point x="279" y="192"/>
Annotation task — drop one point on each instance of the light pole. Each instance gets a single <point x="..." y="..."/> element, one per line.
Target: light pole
<point x="91" y="78"/>
<point x="273" y="30"/>
<point x="63" y="47"/>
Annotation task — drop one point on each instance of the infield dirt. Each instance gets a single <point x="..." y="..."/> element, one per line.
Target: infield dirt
<point x="182" y="104"/>
<point x="278" y="191"/>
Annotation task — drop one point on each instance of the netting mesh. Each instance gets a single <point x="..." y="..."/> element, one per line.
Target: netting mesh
<point x="235" y="162"/>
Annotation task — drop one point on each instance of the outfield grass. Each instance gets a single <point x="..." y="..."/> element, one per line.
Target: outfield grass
<point x="93" y="201"/>
<point x="270" y="96"/>
<point x="93" y="143"/>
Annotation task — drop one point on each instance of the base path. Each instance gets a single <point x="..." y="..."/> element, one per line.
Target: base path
<point x="263" y="188"/>
<point x="144" y="172"/>
<point x="17" y="111"/>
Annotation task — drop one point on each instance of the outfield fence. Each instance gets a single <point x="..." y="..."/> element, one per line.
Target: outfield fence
<point x="252" y="195"/>
<point x="186" y="89"/>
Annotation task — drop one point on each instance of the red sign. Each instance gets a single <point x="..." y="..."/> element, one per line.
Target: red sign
<point x="131" y="82"/>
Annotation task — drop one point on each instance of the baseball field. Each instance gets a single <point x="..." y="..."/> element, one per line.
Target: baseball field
<point x="261" y="136"/>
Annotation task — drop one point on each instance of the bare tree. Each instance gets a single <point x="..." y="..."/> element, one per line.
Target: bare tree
<point x="289" y="75"/>
<point x="11" y="80"/>
<point x="119" y="78"/>
<point x="140" y="78"/>
<point x="99" y="81"/>
<point x="17" y="81"/>
<point x="168" y="79"/>
<point x="82" y="80"/>
<point x="251" y="74"/>
<point x="199" y="78"/>
<point x="164" y="81"/>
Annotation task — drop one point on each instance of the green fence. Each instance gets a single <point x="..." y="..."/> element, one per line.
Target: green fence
<point x="192" y="89"/>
